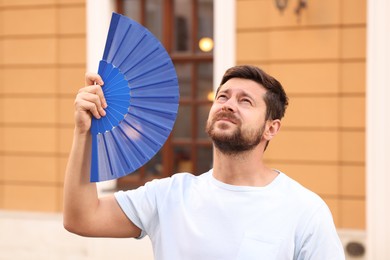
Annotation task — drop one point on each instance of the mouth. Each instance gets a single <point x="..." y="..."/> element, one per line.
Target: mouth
<point x="226" y="120"/>
<point x="225" y="117"/>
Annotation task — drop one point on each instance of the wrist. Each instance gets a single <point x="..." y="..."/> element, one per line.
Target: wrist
<point x="81" y="131"/>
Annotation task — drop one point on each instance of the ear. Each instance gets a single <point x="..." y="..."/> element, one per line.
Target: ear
<point x="271" y="129"/>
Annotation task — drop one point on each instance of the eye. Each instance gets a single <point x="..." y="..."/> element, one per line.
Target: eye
<point x="246" y="101"/>
<point x="222" y="97"/>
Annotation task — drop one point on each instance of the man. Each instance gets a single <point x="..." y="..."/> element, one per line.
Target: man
<point x="240" y="209"/>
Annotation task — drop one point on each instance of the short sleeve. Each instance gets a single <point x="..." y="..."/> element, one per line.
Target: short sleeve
<point x="319" y="239"/>
<point x="140" y="205"/>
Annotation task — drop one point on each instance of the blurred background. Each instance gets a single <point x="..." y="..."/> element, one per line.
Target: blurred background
<point x="317" y="49"/>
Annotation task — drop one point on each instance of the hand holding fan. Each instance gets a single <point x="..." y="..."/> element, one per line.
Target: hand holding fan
<point x="141" y="90"/>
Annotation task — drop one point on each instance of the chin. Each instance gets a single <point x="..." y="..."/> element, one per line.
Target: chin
<point x="223" y="132"/>
<point x="223" y="135"/>
<point x="225" y="126"/>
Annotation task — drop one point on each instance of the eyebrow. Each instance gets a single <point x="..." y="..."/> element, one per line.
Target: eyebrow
<point x="241" y="93"/>
<point x="223" y="91"/>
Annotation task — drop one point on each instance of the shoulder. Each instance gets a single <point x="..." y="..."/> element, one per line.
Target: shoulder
<point x="174" y="183"/>
<point x="306" y="205"/>
<point x="316" y="232"/>
<point x="297" y="193"/>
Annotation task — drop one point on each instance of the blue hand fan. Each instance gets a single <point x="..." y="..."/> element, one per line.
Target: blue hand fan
<point x="142" y="93"/>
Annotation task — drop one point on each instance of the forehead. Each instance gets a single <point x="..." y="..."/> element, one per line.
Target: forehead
<point x="243" y="86"/>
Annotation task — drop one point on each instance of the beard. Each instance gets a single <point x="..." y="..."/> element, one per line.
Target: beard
<point x="238" y="141"/>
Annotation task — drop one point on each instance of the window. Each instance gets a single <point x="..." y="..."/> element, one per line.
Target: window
<point x="185" y="27"/>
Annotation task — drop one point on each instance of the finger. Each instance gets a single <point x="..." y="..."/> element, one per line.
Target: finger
<point x="93" y="78"/>
<point x="90" y="102"/>
<point x="91" y="108"/>
<point x="100" y="93"/>
<point x="84" y="106"/>
<point x="95" y="99"/>
<point x="95" y="89"/>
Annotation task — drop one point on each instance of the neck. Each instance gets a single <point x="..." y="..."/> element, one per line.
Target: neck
<point x="243" y="169"/>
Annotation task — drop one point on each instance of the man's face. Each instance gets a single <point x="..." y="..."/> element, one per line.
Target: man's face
<point x="237" y="118"/>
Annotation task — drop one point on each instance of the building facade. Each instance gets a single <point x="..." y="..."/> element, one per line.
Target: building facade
<point x="318" y="54"/>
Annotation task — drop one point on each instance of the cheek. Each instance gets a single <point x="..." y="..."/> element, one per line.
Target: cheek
<point x="209" y="118"/>
<point x="253" y="122"/>
<point x="212" y="111"/>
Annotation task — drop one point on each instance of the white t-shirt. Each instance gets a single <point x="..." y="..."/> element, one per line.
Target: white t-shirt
<point x="201" y="218"/>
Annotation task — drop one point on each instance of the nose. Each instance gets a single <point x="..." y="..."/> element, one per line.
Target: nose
<point x="228" y="106"/>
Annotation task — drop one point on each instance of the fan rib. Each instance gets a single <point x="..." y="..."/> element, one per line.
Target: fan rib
<point x="152" y="84"/>
<point x="167" y="99"/>
<point x="135" y="47"/>
<point x="148" y="71"/>
<point x="131" y="141"/>
<point x="110" y="36"/>
<point x="115" y="79"/>
<point x="112" y="74"/>
<point x="120" y="44"/>
<point x="155" y="109"/>
<point x="120" y="106"/>
<point x="117" y="97"/>
<point x="94" y="176"/>
<point x="141" y="60"/>
<point x="150" y="122"/>
<point x="123" y="153"/>
<point x="109" y="120"/>
<point x="142" y="134"/>
<point x="114" y="115"/>
<point x="108" y="154"/>
<point x="109" y="91"/>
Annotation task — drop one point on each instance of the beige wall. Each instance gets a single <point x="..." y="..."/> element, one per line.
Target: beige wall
<point x="42" y="63"/>
<point x="320" y="59"/>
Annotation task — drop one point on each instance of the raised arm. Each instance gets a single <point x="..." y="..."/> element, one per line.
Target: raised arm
<point x="84" y="212"/>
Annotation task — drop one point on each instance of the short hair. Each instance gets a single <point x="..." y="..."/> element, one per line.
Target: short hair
<point x="275" y="98"/>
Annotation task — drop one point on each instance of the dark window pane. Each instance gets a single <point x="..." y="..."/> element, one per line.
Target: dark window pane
<point x="132" y="9"/>
<point x="182" y="159"/>
<point x="183" y="71"/>
<point x="153" y="168"/>
<point x="203" y="113"/>
<point x="183" y="126"/>
<point x="154" y="19"/>
<point x="205" y="159"/>
<point x="205" y="81"/>
<point x="182" y="26"/>
<point x="205" y="26"/>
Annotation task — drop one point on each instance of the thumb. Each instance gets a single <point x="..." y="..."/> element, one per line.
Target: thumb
<point x="93" y="78"/>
